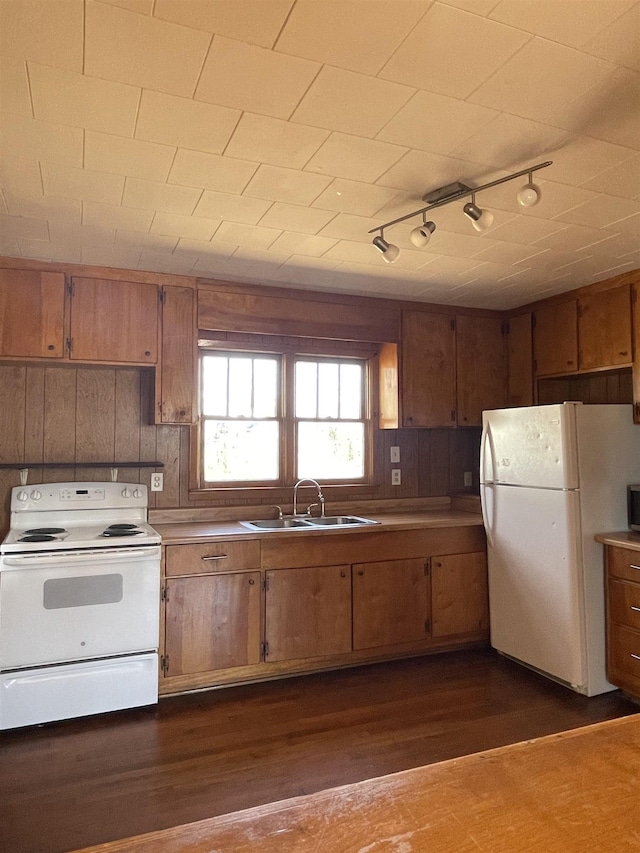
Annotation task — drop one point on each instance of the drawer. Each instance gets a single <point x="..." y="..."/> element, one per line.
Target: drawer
<point x="624" y="603"/>
<point x="624" y="651"/>
<point x="623" y="563"/>
<point x="223" y="555"/>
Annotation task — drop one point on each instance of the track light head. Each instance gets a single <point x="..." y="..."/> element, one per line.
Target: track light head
<point x="480" y="219"/>
<point x="421" y="235"/>
<point x="389" y="251"/>
<point x="529" y="194"/>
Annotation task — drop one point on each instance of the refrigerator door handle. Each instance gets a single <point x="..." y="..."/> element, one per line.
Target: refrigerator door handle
<point x="486" y="490"/>
<point x="487" y="442"/>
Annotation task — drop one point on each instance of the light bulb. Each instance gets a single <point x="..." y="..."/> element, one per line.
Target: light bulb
<point x="421" y="235"/>
<point x="529" y="194"/>
<point x="480" y="219"/>
<point x="389" y="251"/>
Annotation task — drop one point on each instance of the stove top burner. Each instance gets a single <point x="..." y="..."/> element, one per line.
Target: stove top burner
<point x="121" y="531"/>
<point x="122" y="527"/>
<point x="36" y="530"/>
<point x="38" y="537"/>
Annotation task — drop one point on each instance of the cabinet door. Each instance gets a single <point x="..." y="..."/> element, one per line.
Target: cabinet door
<point x="31" y="314"/>
<point x="176" y="374"/>
<point x="520" y="361"/>
<point x="308" y="612"/>
<point x="428" y="374"/>
<point x="604" y="328"/>
<point x="114" y="321"/>
<point x="481" y="367"/>
<point x="390" y="603"/>
<point x="212" y="622"/>
<point x="459" y="594"/>
<point x="555" y="338"/>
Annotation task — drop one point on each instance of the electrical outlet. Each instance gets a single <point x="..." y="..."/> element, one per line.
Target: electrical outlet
<point x="396" y="479"/>
<point x="157" y="482"/>
<point x="467" y="478"/>
<point x="395" y="454"/>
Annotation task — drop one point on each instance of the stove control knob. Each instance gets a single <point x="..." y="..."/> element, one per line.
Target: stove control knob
<point x="126" y="493"/>
<point x="22" y="497"/>
<point x="137" y="493"/>
<point x="36" y="495"/>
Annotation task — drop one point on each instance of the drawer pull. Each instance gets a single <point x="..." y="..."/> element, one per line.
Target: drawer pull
<point x="215" y="557"/>
<point x="637" y="568"/>
<point x="635" y="657"/>
<point x="637" y="609"/>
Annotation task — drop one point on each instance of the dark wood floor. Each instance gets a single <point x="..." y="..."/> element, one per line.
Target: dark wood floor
<point x="70" y="784"/>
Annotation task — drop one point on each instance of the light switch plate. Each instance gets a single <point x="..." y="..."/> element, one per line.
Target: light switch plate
<point x="395" y="454"/>
<point x="467" y="478"/>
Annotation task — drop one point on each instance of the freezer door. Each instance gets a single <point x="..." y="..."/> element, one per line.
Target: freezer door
<point x="530" y="446"/>
<point x="535" y="582"/>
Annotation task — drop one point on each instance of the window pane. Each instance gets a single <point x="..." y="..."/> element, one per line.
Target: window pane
<point x="240" y="387"/>
<point x="265" y="388"/>
<point x="214" y="385"/>
<point x="306" y="373"/>
<point x="241" y="450"/>
<point x="329" y="386"/>
<point x="331" y="450"/>
<point x="350" y="391"/>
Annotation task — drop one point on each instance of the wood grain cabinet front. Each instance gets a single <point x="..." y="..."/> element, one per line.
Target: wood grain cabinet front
<point x="623" y="618"/>
<point x="459" y="594"/>
<point x="31" y="314"/>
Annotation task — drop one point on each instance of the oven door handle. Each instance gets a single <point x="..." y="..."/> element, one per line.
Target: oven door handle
<point x="105" y="555"/>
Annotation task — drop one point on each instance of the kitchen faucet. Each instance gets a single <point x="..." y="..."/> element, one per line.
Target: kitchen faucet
<point x="320" y="495"/>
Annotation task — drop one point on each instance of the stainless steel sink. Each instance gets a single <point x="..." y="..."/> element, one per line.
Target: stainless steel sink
<point x="276" y="523"/>
<point x="340" y="520"/>
<point x="307" y="523"/>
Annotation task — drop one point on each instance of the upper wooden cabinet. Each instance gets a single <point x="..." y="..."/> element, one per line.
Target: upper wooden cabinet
<point x="177" y="371"/>
<point x="31" y="314"/>
<point x="520" y="361"/>
<point x="428" y="370"/>
<point x="114" y="321"/>
<point x="480" y="367"/>
<point x="589" y="333"/>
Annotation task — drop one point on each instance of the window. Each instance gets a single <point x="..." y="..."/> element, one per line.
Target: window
<point x="269" y="419"/>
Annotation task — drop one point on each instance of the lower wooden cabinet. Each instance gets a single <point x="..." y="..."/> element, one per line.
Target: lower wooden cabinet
<point x="623" y="618"/>
<point x="460" y="595"/>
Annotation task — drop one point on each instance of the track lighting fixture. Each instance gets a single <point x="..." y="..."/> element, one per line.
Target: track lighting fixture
<point x="389" y="251"/>
<point x="528" y="195"/>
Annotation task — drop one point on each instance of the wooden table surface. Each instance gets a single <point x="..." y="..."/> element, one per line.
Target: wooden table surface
<point x="575" y="791"/>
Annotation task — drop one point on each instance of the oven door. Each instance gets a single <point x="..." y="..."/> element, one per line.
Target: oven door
<point x="78" y="605"/>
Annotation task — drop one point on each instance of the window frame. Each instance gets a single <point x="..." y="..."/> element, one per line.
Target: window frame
<point x="288" y="349"/>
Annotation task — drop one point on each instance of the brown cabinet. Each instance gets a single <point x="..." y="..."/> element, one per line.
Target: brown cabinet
<point x="307" y="612"/>
<point x="428" y="370"/>
<point x="623" y="618"/>
<point x="555" y="338"/>
<point x="177" y="371"/>
<point x="480" y="367"/>
<point x="520" y="361"/>
<point x="459" y="595"/>
<point x="114" y="321"/>
<point x="391" y="603"/>
<point x="31" y="314"/>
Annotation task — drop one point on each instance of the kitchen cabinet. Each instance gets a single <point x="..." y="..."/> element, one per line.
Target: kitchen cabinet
<point x="520" y="360"/>
<point x="177" y="371"/>
<point x="459" y="594"/>
<point x="31" y="314"/>
<point x="623" y="618"/>
<point x="480" y="367"/>
<point x="391" y="602"/>
<point x="428" y="370"/>
<point x="555" y="338"/>
<point x="307" y="612"/>
<point x="113" y="321"/>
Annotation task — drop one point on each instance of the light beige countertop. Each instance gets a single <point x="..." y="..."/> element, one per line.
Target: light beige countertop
<point x="621" y="539"/>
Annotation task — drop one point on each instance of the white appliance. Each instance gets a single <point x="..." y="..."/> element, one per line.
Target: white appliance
<point x="551" y="477"/>
<point x="79" y="602"/>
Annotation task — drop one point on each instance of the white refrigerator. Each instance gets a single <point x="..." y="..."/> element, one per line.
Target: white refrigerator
<point x="550" y="478"/>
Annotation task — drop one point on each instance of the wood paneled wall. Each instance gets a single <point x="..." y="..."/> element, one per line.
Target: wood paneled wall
<point x="77" y="415"/>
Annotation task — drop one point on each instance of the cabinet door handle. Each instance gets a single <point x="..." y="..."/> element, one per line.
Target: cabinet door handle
<point x="635" y="657"/>
<point x="637" y="568"/>
<point x="637" y="609"/>
<point x="215" y="557"/>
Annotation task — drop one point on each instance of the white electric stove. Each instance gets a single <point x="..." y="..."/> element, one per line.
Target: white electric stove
<point x="79" y="602"/>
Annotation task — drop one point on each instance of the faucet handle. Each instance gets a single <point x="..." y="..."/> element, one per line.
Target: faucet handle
<point x="309" y="508"/>
<point x="279" y="508"/>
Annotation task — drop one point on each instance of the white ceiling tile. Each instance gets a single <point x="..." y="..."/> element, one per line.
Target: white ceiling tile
<point x="508" y="253"/>
<point x="617" y="119"/>
<point x="291" y="243"/>
<point x="460" y="245"/>
<point x="115" y="216"/>
<point x="205" y="250"/>
<point x="142" y="50"/>
<point x="142" y="7"/>
<point x="628" y="225"/>
<point x="144" y="240"/>
<point x="601" y="212"/>
<point x="108" y="256"/>
<point x="345" y="226"/>
<point x="556" y="198"/>
<point x="211" y="171"/>
<point x="290" y="217"/>
<point x="162" y="262"/>
<point x="15" y="96"/>
<point x="82" y="184"/>
<point x="41" y="140"/>
<point x="510" y="142"/>
<point x="154" y="195"/>
<point x="621" y="180"/>
<point x="253" y="21"/>
<point x="121" y="156"/>
<point x="192" y="227"/>
<point x="236" y="208"/>
<point x="253" y="236"/>
<point x="354" y="197"/>
<point x="247" y="77"/>
<point x="351" y="103"/>
<point x="184" y="123"/>
<point x="21" y="175"/>
<point x="67" y="97"/>
<point x="353" y="157"/>
<point x="435" y="123"/>
<point x="63" y="211"/>
<point x="450" y="51"/>
<point x="286" y="185"/>
<point x="582" y="158"/>
<point x="50" y="33"/>
<point x="325" y="31"/>
<point x="561" y="20"/>
<point x="620" y="41"/>
<point x="273" y="141"/>
<point x="23" y="227"/>
<point x="420" y="173"/>
<point x="525" y="229"/>
<point x="365" y="253"/>
<point x="572" y="238"/>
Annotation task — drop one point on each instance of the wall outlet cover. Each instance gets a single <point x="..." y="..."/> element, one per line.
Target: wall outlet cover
<point x="157" y="482"/>
<point x="396" y="478"/>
